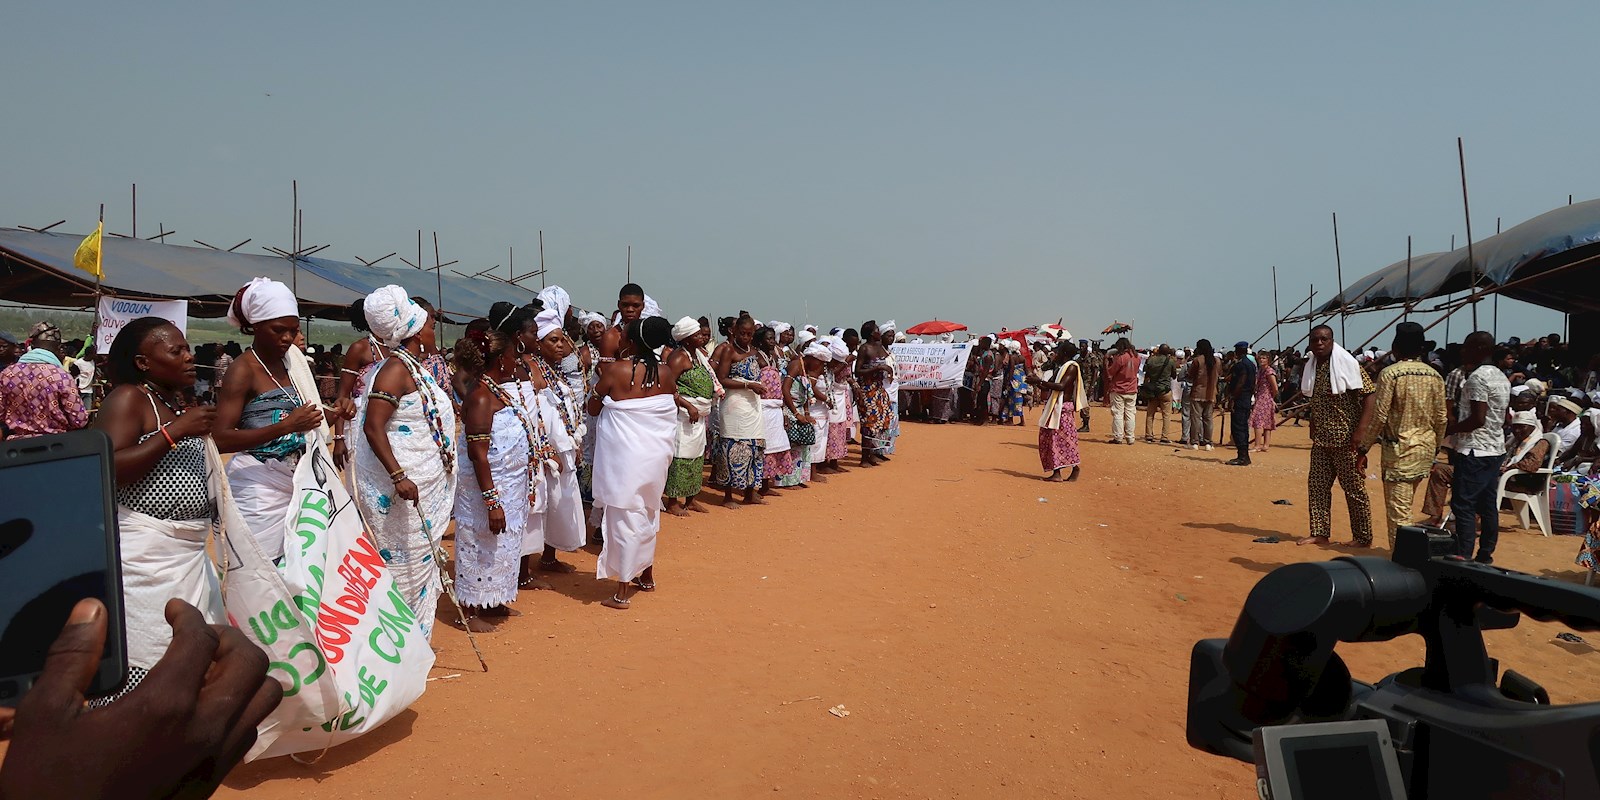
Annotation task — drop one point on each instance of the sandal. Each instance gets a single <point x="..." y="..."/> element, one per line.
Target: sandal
<point x="644" y="585"/>
<point x="615" y="602"/>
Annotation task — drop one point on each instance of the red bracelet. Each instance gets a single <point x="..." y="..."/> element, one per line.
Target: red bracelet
<point x="168" y="436"/>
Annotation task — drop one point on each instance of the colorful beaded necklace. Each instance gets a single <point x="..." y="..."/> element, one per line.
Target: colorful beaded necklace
<point x="568" y="406"/>
<point x="516" y="407"/>
<point x="423" y="380"/>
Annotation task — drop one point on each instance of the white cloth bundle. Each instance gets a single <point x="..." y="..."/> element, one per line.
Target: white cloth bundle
<point x="633" y="446"/>
<point x="264" y="299"/>
<point x="777" y="439"/>
<point x="555" y="299"/>
<point x="161" y="560"/>
<point x="691" y="442"/>
<point x="393" y="316"/>
<point x="1344" y="374"/>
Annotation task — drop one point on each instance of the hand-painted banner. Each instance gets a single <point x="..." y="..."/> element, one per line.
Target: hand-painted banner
<point x="348" y="651"/>
<point x="930" y="366"/>
<point x="115" y="312"/>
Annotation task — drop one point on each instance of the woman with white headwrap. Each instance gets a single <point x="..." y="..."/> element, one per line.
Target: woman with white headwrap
<point x="737" y="463"/>
<point x="784" y="338"/>
<point x="840" y="380"/>
<point x="405" y="474"/>
<point x="777" y="460"/>
<point x="560" y="408"/>
<point x="696" y="394"/>
<point x="888" y="337"/>
<point x="805" y="413"/>
<point x="263" y="415"/>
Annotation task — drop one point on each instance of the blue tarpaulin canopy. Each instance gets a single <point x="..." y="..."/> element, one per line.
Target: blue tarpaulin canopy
<point x="36" y="268"/>
<point x="1549" y="241"/>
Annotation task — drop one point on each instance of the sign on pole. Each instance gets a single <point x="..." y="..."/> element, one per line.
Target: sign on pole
<point x="930" y="366"/>
<point x="115" y="312"/>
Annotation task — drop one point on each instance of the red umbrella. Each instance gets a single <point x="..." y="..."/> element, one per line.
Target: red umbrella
<point x="934" y="327"/>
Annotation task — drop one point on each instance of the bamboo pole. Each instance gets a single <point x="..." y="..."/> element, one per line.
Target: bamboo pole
<point x="1277" y="327"/>
<point x="1461" y="155"/>
<point x="1338" y="266"/>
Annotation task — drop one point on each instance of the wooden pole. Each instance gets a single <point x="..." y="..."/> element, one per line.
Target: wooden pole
<point x="438" y="272"/>
<point x="294" y="241"/>
<point x="1494" y="325"/>
<point x="1447" y="316"/>
<point x="135" y="232"/>
<point x="541" y="260"/>
<point x="1338" y="266"/>
<point x="630" y="263"/>
<point x="1461" y="156"/>
<point x="1408" y="278"/>
<point x="1276" y="327"/>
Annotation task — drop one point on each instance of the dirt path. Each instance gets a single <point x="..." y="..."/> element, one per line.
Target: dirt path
<point x="991" y="635"/>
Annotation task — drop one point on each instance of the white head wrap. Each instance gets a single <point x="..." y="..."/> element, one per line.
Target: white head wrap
<point x="1526" y="418"/>
<point x="887" y="326"/>
<point x="684" y="328"/>
<point x="947" y="337"/>
<point x="836" y="332"/>
<point x="589" y="316"/>
<point x="264" y="299"/>
<point x="899" y="337"/>
<point x="392" y="315"/>
<point x="555" y="297"/>
<point x="837" y="349"/>
<point x="549" y="321"/>
<point x="779" y="327"/>
<point x="1535" y="385"/>
<point x="802" y="339"/>
<point x="818" y="351"/>
<point x="1516" y="390"/>
<point x="811" y="328"/>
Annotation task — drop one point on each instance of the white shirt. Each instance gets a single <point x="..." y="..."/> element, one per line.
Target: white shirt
<point x="1569" y="434"/>
<point x="1488" y="385"/>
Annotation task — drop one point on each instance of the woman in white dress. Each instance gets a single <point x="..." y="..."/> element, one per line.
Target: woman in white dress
<point x="405" y="476"/>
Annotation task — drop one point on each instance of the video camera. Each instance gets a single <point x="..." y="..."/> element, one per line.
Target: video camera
<point x="1274" y="692"/>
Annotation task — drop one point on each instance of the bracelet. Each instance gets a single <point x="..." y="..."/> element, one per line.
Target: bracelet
<point x="491" y="494"/>
<point x="492" y="505"/>
<point x="479" y="437"/>
<point x="338" y="437"/>
<point x="170" y="441"/>
<point x="391" y="399"/>
<point x="398" y="475"/>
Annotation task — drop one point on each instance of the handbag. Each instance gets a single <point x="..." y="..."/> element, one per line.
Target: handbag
<point x="799" y="432"/>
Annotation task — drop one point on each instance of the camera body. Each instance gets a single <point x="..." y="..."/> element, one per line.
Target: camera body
<point x="1459" y="729"/>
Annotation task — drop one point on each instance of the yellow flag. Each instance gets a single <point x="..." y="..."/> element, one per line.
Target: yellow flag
<point x="88" y="256"/>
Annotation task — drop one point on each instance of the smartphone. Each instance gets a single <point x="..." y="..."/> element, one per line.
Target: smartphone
<point x="58" y="545"/>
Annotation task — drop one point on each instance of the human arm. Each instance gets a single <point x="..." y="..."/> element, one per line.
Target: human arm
<point x="602" y="388"/>
<point x="124" y="416"/>
<point x="788" y="396"/>
<point x="1533" y="461"/>
<point x="1476" y="416"/>
<point x="72" y="409"/>
<point x="477" y="419"/>
<point x="1372" y="425"/>
<point x="393" y="381"/>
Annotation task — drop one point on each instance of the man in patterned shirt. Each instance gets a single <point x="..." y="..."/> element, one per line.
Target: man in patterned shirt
<point x="37" y="396"/>
<point x="1341" y="396"/>
<point x="1409" y="420"/>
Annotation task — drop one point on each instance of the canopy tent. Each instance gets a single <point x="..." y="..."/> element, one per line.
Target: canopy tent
<point x="1552" y="240"/>
<point x="36" y="268"/>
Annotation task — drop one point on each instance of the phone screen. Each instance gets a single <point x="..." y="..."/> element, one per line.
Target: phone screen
<point x="53" y="553"/>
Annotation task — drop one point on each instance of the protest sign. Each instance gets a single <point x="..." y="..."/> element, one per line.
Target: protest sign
<point x="114" y="312"/>
<point x="348" y="651"/>
<point x="930" y="366"/>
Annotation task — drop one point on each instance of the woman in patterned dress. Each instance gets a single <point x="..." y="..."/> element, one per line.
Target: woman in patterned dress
<point x="1058" y="436"/>
<point x="696" y="395"/>
<point x="738" y="461"/>
<point x="1264" y="416"/>
<point x="405" y="475"/>
<point x="1019" y="391"/>
<point x="776" y="456"/>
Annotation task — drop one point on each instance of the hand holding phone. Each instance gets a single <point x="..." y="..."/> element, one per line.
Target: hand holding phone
<point x="177" y="734"/>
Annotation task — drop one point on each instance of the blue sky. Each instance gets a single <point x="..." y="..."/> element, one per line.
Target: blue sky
<point x="998" y="163"/>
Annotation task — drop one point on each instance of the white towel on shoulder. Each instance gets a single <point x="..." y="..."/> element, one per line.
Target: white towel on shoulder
<point x="1344" y="374"/>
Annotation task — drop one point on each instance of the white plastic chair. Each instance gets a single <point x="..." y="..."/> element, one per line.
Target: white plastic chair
<point x="1537" y="504"/>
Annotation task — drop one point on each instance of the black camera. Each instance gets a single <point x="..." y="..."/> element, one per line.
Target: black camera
<point x="1453" y="728"/>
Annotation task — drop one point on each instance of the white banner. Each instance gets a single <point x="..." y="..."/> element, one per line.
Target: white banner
<point x="348" y="651"/>
<point x="115" y="312"/>
<point x="930" y="366"/>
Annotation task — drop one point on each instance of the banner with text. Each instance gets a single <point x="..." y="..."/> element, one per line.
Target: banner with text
<point x="931" y="366"/>
<point x="115" y="312"/>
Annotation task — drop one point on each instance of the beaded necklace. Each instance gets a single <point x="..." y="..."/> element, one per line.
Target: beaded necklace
<point x="568" y="407"/>
<point x="516" y="408"/>
<point x="539" y="449"/>
<point x="423" y="380"/>
<point x="175" y="409"/>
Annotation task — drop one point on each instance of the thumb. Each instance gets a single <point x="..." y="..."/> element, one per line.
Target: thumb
<point x="70" y="665"/>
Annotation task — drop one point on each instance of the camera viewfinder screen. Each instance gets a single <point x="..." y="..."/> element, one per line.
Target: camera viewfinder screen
<point x="52" y="554"/>
<point x="1337" y="773"/>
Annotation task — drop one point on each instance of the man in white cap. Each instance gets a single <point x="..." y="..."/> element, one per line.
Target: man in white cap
<point x="1565" y="423"/>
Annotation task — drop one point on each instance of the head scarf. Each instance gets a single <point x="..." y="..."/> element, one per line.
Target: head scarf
<point x="549" y="321"/>
<point x="837" y="349"/>
<point x="1526" y="445"/>
<point x="684" y="328"/>
<point x="588" y="317"/>
<point x="263" y="299"/>
<point x="899" y="337"/>
<point x="887" y="326"/>
<point x="1566" y="404"/>
<point x="393" y="316"/>
<point x="812" y="329"/>
<point x="556" y="299"/>
<point x="802" y="339"/>
<point x="818" y="351"/>
<point x="778" y="328"/>
<point x="1535" y="385"/>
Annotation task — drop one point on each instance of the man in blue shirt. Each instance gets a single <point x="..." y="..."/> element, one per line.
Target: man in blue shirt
<point x="1242" y="387"/>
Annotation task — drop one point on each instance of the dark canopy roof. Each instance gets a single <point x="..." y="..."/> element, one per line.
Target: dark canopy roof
<point x="36" y="268"/>
<point x="1551" y="240"/>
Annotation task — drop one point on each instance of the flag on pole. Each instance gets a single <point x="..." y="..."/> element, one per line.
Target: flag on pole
<point x="88" y="257"/>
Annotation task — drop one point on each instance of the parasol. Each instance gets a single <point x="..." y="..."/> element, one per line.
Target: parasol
<point x="1054" y="331"/>
<point x="1118" y="327"/>
<point x="934" y="327"/>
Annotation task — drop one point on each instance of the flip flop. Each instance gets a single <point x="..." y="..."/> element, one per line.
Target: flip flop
<point x="1266" y="540"/>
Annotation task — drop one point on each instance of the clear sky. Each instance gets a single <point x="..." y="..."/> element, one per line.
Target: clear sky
<point x="993" y="163"/>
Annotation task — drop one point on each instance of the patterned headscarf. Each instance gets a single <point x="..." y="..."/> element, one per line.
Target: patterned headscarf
<point x="393" y="316"/>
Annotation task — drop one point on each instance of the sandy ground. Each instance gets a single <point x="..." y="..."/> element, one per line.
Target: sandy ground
<point x="991" y="635"/>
